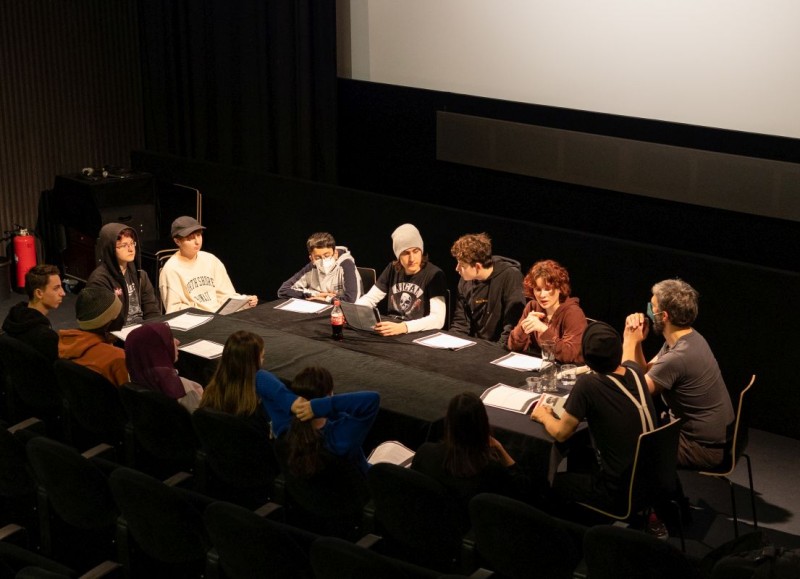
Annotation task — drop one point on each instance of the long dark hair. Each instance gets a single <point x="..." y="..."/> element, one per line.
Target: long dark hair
<point x="232" y="388"/>
<point x="304" y="442"/>
<point x="466" y="436"/>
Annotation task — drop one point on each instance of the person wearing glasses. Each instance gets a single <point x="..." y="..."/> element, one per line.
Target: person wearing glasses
<point x="550" y="316"/>
<point x="120" y="271"/>
<point x="685" y="372"/>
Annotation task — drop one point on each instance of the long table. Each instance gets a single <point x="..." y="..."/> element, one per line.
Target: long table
<point x="415" y="382"/>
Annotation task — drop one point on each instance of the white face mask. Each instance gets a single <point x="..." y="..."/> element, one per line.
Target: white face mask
<point x="325" y="265"/>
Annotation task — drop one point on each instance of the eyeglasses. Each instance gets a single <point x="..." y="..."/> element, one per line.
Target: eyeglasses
<point x="126" y="245"/>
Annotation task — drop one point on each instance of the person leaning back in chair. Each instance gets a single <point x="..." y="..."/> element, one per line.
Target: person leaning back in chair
<point x="684" y="372"/>
<point x="415" y="286"/>
<point x="192" y="278"/>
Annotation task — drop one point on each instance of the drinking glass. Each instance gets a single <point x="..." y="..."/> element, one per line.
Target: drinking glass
<point x="534" y="384"/>
<point x="568" y="375"/>
<point x="548" y="352"/>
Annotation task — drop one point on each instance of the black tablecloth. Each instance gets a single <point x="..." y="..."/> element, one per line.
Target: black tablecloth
<point x="415" y="382"/>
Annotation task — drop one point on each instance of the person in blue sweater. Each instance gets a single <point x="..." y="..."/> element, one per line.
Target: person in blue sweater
<point x="309" y="420"/>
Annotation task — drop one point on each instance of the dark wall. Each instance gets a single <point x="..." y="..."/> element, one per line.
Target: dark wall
<point x="258" y="223"/>
<point x="387" y="144"/>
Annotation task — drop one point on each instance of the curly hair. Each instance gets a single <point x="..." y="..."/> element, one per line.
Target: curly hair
<point x="678" y="299"/>
<point x="553" y="274"/>
<point x="473" y="248"/>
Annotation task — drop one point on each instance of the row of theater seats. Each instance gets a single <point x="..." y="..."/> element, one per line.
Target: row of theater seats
<point x="223" y="458"/>
<point x="93" y="512"/>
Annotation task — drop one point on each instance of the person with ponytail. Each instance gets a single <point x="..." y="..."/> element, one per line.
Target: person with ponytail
<point x="310" y="420"/>
<point x="232" y="388"/>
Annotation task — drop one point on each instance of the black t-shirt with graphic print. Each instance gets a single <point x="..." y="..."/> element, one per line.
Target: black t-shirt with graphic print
<point x="409" y="295"/>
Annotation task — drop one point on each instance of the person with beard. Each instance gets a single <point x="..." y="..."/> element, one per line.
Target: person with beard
<point x="551" y="316"/>
<point x="27" y="321"/>
<point x="490" y="299"/>
<point x="416" y="288"/>
<point x="120" y="271"/>
<point x="684" y="372"/>
<point x="331" y="273"/>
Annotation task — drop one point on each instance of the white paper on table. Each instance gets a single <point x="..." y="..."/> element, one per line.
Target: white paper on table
<point x="393" y="452"/>
<point x="444" y="341"/>
<point x="521" y="362"/>
<point x="203" y="348"/>
<point x="123" y="333"/>
<point x="303" y="306"/>
<point x="185" y="322"/>
<point x="509" y="398"/>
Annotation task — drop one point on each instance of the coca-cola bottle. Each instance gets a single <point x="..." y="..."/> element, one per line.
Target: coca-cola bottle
<point x="337" y="321"/>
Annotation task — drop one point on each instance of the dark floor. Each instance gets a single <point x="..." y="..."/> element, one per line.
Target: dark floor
<point x="776" y="478"/>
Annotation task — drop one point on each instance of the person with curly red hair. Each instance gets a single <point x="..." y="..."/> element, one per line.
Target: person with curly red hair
<point x="551" y="315"/>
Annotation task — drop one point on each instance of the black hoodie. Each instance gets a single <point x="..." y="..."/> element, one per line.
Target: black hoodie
<point x="490" y="309"/>
<point x="31" y="326"/>
<point x="109" y="275"/>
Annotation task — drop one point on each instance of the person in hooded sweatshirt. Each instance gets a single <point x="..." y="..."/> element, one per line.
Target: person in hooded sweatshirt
<point x="121" y="272"/>
<point x="331" y="273"/>
<point x="551" y="316"/>
<point x="95" y="309"/>
<point x="27" y="321"/>
<point x="490" y="299"/>
<point x="150" y="354"/>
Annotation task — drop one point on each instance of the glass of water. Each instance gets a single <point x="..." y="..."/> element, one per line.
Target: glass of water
<point x="568" y="375"/>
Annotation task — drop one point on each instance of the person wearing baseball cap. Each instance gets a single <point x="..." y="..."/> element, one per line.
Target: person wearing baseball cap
<point x="90" y="345"/>
<point x="416" y="288"/>
<point x="192" y="278"/>
<point x="615" y="403"/>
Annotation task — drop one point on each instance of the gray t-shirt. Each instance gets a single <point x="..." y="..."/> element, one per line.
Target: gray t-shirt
<point x="135" y="315"/>
<point x="693" y="388"/>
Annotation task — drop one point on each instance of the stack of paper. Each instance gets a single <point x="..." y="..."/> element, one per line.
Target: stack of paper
<point x="509" y="398"/>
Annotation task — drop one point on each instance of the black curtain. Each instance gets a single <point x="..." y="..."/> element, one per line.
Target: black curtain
<point x="249" y="83"/>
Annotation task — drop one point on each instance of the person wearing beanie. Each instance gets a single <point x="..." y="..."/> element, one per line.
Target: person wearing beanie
<point x="192" y="278"/>
<point x="120" y="270"/>
<point x="416" y="288"/>
<point x="90" y="345"/>
<point x="685" y="372"/>
<point x="615" y="403"/>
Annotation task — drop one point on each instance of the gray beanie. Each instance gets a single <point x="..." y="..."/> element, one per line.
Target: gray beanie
<point x="602" y="347"/>
<point x="96" y="307"/>
<point x="405" y="237"/>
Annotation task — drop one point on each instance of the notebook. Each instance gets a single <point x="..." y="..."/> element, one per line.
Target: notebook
<point x="360" y="317"/>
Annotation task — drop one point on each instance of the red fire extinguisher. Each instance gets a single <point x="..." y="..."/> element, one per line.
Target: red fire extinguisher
<point x="24" y="254"/>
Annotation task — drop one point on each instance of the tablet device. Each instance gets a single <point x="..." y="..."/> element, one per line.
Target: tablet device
<point x="360" y="317"/>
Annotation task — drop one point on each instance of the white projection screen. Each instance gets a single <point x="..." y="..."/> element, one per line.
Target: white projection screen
<point x="731" y="64"/>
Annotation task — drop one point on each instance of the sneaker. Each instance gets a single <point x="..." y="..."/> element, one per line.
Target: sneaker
<point x="656" y="527"/>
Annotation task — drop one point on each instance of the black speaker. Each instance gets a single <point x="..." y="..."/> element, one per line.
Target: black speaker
<point x="72" y="213"/>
